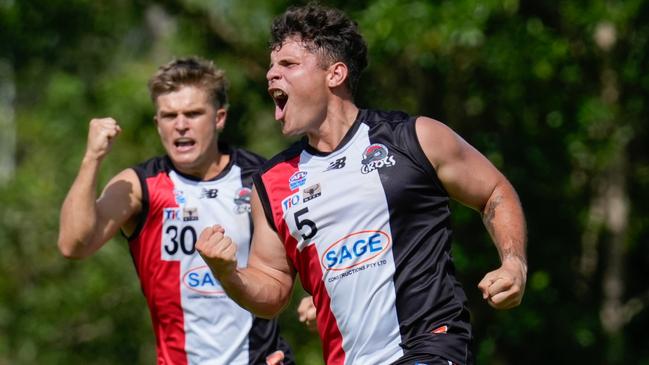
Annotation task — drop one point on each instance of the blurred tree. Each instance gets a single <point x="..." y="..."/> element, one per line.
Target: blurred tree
<point x="554" y="93"/>
<point x="7" y="123"/>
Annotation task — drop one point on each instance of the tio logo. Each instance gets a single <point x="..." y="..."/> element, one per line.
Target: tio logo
<point x="355" y="249"/>
<point x="291" y="201"/>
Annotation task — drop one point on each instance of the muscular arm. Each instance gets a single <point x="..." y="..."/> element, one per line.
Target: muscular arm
<point x="473" y="181"/>
<point x="265" y="286"/>
<point x="86" y="223"/>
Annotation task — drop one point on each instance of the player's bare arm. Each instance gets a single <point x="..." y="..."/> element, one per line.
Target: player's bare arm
<point x="86" y="223"/>
<point x="265" y="286"/>
<point x="471" y="179"/>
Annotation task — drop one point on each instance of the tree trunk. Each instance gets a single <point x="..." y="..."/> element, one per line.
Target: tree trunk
<point x="7" y="123"/>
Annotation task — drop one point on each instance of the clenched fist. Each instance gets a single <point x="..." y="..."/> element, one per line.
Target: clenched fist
<point x="218" y="250"/>
<point x="101" y="134"/>
<point x="306" y="312"/>
<point x="503" y="288"/>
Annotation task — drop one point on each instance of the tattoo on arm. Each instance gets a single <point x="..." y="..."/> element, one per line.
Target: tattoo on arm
<point x="489" y="213"/>
<point x="509" y="247"/>
<point x="511" y="252"/>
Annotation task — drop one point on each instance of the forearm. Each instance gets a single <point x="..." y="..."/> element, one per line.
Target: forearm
<point x="262" y="294"/>
<point x="78" y="214"/>
<point x="504" y="219"/>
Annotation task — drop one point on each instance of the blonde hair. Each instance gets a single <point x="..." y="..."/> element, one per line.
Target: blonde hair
<point x="190" y="71"/>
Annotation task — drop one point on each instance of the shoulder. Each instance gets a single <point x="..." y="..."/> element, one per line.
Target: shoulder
<point x="431" y="128"/>
<point x="383" y="117"/>
<point x="286" y="156"/>
<point x="153" y="166"/>
<point x="438" y="140"/>
<point x="246" y="158"/>
<point x="127" y="175"/>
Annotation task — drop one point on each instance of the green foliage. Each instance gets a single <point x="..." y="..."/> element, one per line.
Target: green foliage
<point x="554" y="93"/>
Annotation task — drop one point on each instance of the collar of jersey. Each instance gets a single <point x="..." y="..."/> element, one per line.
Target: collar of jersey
<point x="343" y="143"/>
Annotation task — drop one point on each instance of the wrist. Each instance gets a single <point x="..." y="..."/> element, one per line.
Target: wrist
<point x="91" y="158"/>
<point x="224" y="272"/>
<point x="515" y="260"/>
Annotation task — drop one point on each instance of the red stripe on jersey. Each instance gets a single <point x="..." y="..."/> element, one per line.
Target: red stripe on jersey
<point x="307" y="262"/>
<point x="278" y="177"/>
<point x="332" y="339"/>
<point x="160" y="279"/>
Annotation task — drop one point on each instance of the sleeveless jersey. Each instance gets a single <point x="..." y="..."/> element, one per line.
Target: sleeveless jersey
<point x="193" y="319"/>
<point x="367" y="227"/>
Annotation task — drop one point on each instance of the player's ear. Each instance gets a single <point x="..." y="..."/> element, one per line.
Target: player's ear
<point x="155" y="116"/>
<point x="337" y="74"/>
<point x="221" y="116"/>
<point x="157" y="124"/>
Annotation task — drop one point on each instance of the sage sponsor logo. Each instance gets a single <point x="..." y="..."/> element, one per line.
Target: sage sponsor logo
<point x="355" y="249"/>
<point x="201" y="280"/>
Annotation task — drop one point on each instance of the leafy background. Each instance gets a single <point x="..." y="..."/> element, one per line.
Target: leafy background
<point x="555" y="93"/>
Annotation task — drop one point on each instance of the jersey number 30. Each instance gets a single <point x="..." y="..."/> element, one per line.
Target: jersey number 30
<point x="185" y="240"/>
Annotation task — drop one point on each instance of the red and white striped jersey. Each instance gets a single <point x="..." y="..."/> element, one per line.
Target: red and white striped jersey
<point x="367" y="227"/>
<point x="194" y="321"/>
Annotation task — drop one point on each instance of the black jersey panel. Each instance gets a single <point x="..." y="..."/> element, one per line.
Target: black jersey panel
<point x="144" y="170"/>
<point x="264" y="340"/>
<point x="249" y="163"/>
<point x="265" y="202"/>
<point x="428" y="296"/>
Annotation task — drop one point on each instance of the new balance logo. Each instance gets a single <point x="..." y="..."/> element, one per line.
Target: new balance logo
<point x="338" y="164"/>
<point x="209" y="193"/>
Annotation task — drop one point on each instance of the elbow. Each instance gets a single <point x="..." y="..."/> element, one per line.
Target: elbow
<point x="70" y="250"/>
<point x="269" y="309"/>
<point x="266" y="312"/>
<point x="73" y="256"/>
<point x="272" y="311"/>
<point x="265" y="315"/>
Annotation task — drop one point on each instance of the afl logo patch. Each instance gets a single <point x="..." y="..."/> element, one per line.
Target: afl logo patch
<point x="376" y="156"/>
<point x="179" y="196"/>
<point x="242" y="200"/>
<point x="297" y="179"/>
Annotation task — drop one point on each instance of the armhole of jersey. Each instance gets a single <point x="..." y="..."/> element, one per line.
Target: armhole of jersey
<point x="418" y="152"/>
<point x="265" y="202"/>
<point x="144" y="212"/>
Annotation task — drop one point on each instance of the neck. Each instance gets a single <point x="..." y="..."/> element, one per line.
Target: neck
<point x="218" y="164"/>
<point x="338" y="121"/>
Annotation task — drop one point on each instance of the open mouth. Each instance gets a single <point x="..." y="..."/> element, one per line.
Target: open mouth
<point x="184" y="143"/>
<point x="280" y="98"/>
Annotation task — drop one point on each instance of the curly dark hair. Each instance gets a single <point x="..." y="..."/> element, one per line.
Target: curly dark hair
<point x="190" y="71"/>
<point x="324" y="31"/>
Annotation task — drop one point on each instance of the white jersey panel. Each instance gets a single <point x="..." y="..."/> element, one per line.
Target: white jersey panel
<point x="354" y="245"/>
<point x="214" y="339"/>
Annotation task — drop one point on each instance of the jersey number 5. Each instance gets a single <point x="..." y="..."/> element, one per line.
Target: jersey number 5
<point x="305" y="223"/>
